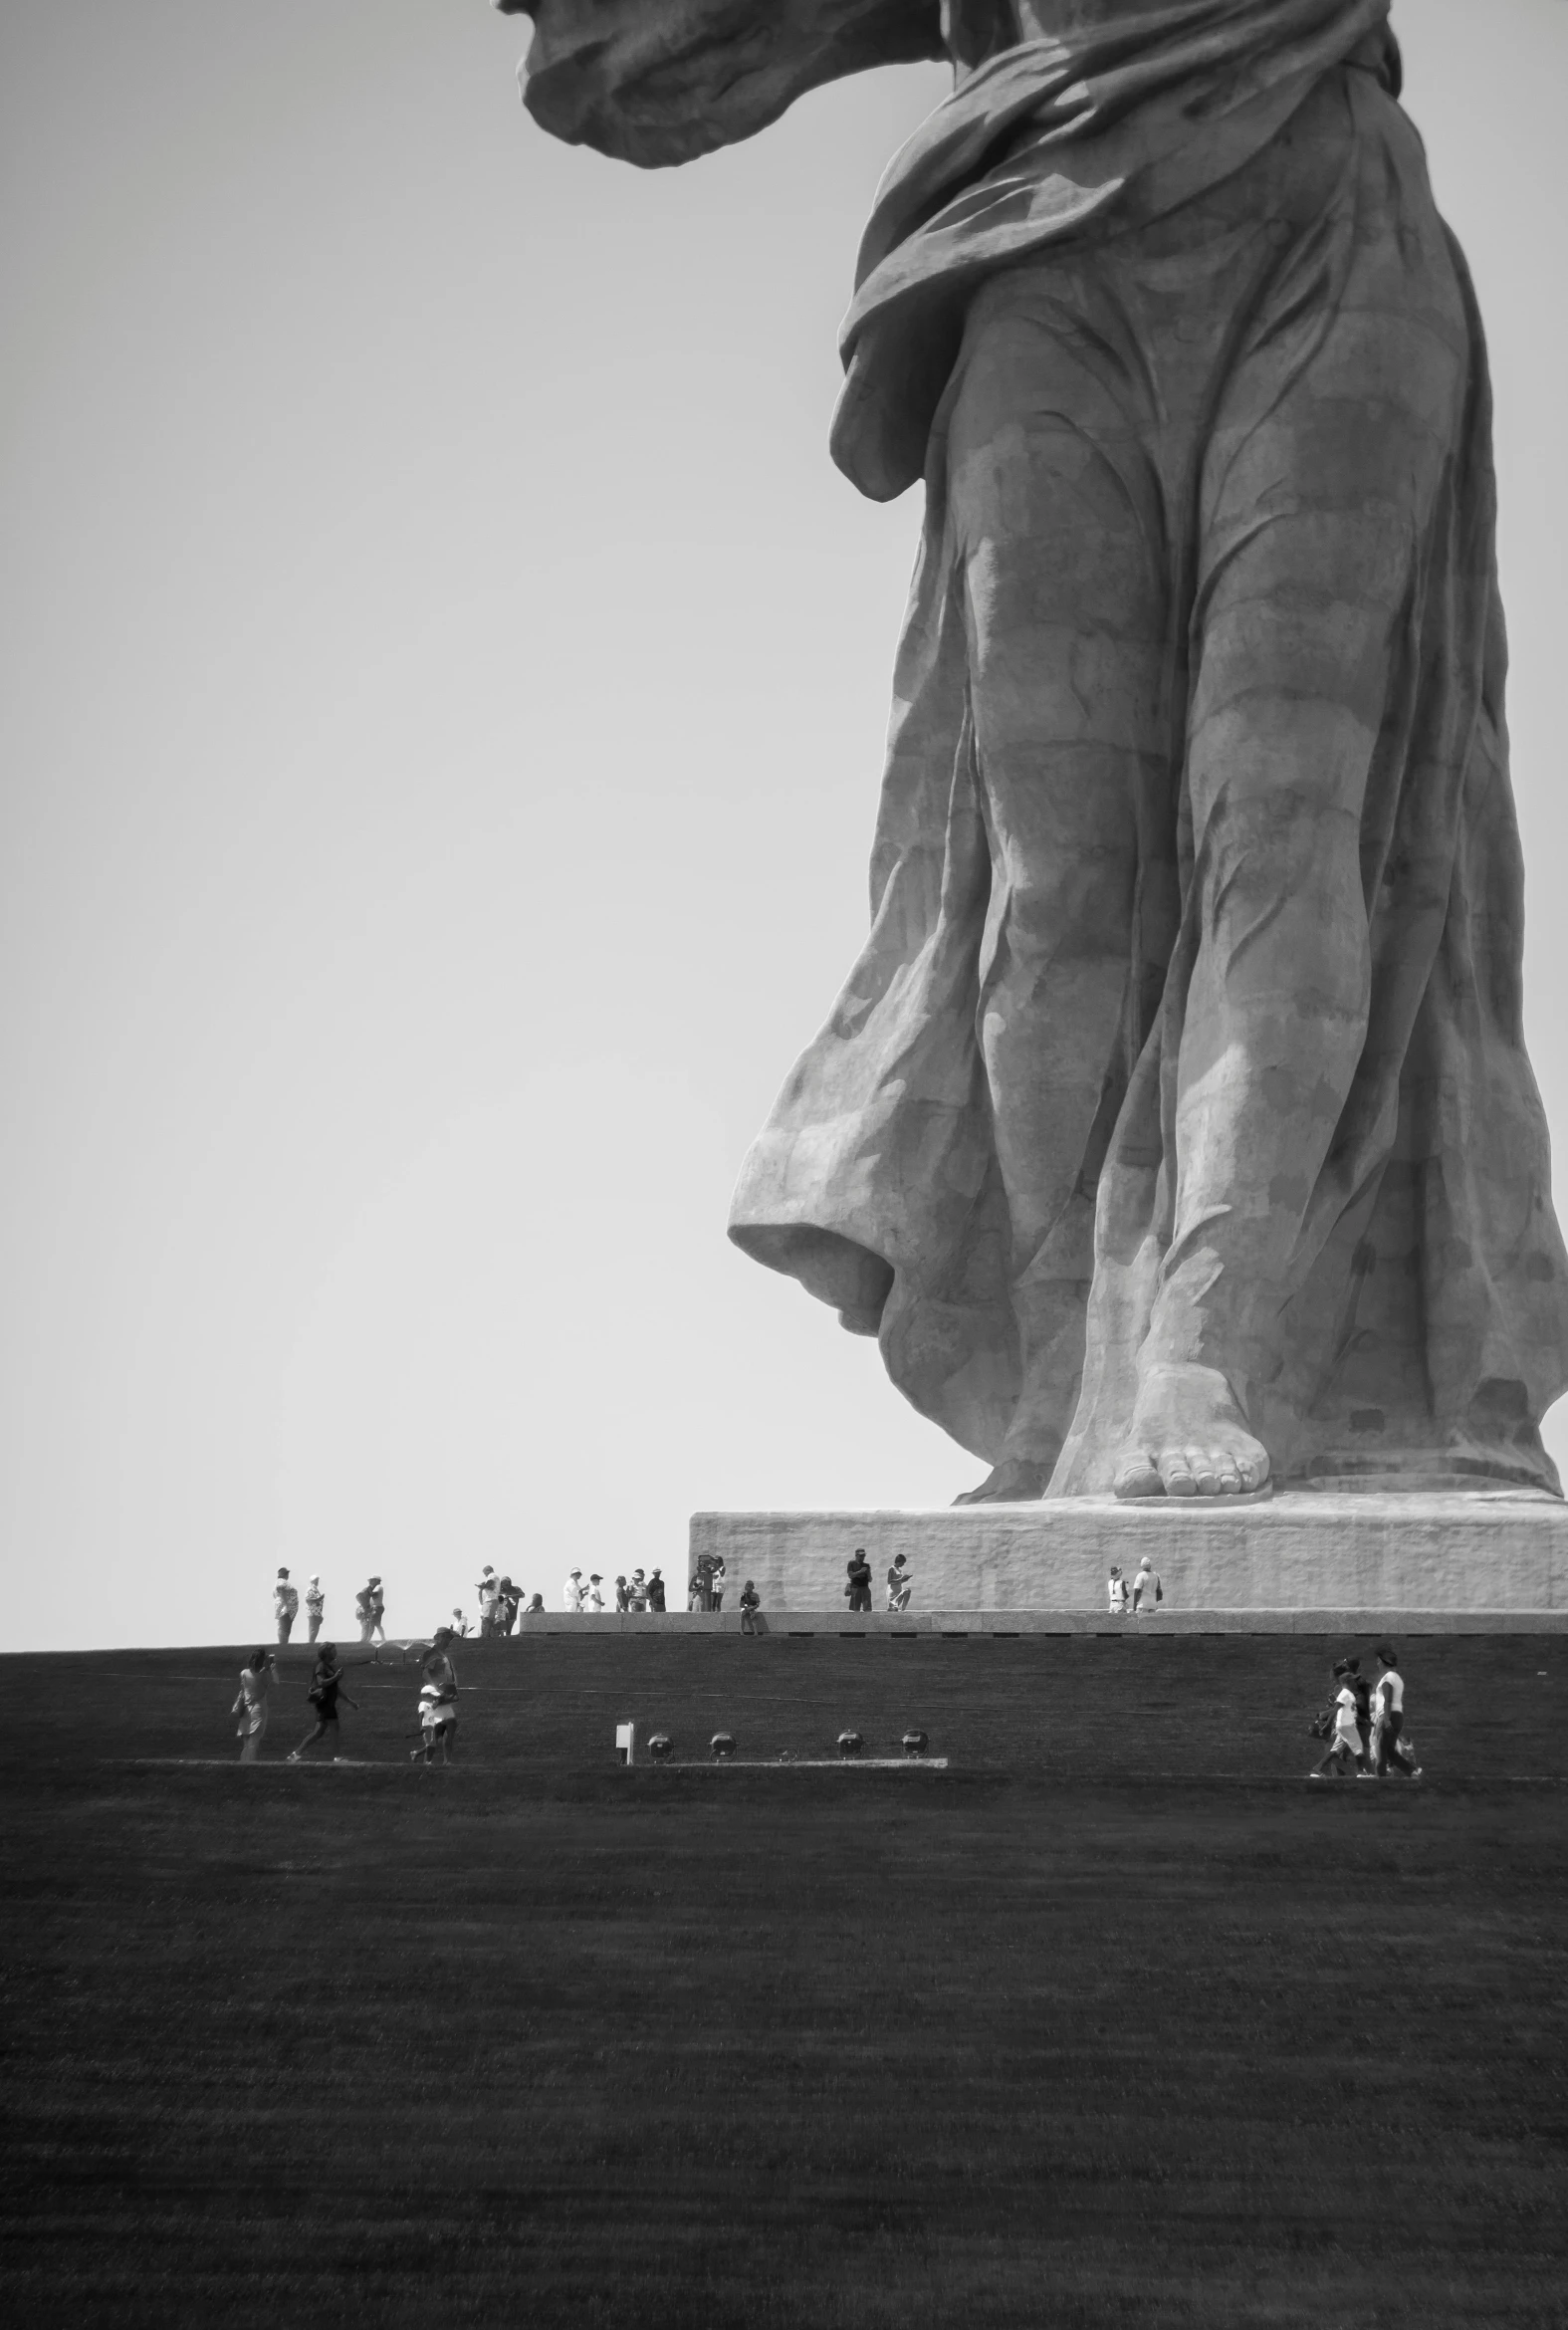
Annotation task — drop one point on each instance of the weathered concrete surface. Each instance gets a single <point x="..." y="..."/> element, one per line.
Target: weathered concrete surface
<point x="1305" y="1556"/>
<point x="1402" y="1624"/>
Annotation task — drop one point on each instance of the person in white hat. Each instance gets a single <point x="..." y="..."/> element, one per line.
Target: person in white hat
<point x="574" y="1590"/>
<point x="314" y="1605"/>
<point x="1148" y="1592"/>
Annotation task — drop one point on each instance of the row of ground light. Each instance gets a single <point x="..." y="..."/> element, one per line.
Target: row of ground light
<point x="721" y="1747"/>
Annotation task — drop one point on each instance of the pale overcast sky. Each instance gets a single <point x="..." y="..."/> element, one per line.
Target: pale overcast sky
<point x="441" y="731"/>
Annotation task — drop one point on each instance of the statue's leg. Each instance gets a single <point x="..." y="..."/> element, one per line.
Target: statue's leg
<point x="1057" y="518"/>
<point x="1319" y="498"/>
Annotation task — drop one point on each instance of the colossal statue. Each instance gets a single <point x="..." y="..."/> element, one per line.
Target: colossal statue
<point x="1175" y="1131"/>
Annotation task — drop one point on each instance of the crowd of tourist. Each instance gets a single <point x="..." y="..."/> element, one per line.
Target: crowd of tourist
<point x="585" y="1593"/>
<point x="1364" y="1728"/>
<point x="591" y="1594"/>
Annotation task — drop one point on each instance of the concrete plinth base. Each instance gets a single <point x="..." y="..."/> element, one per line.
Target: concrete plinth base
<point x="1492" y="1552"/>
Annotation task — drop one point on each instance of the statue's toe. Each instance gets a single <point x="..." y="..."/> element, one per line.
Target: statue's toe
<point x="1177" y="1472"/>
<point x="1138" y="1475"/>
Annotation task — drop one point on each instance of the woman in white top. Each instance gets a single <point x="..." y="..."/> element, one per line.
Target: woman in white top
<point x="251" y="1707"/>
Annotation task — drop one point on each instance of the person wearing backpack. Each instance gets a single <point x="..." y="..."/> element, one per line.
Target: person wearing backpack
<point x="326" y="1687"/>
<point x="1148" y="1593"/>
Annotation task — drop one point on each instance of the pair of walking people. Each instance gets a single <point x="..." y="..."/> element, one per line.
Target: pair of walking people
<point x="252" y="1708"/>
<point x="1367" y="1723"/>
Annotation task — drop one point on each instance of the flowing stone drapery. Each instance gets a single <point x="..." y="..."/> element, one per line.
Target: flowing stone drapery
<point x="1160" y="307"/>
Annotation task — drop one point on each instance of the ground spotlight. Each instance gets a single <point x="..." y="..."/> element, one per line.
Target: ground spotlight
<point x="851" y="1743"/>
<point x="660" y="1746"/>
<point x="722" y="1746"/>
<point x="915" y="1742"/>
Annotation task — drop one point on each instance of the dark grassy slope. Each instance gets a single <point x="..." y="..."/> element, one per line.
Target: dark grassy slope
<point x="538" y="2041"/>
<point x="1131" y="1704"/>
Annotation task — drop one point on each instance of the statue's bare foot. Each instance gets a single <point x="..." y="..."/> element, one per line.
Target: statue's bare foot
<point x="1188" y="1439"/>
<point x="1016" y="1480"/>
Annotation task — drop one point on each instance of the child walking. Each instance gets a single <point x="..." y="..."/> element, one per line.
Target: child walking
<point x="437" y="1701"/>
<point x="1343" y="1753"/>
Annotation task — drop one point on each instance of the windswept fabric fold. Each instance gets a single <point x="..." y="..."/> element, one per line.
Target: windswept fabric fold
<point x="1050" y="145"/>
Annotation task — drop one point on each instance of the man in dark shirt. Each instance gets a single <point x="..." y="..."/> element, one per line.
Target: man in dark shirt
<point x="859" y="1587"/>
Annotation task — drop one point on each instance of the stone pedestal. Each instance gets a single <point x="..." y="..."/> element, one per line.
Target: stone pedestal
<point x="1492" y="1554"/>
